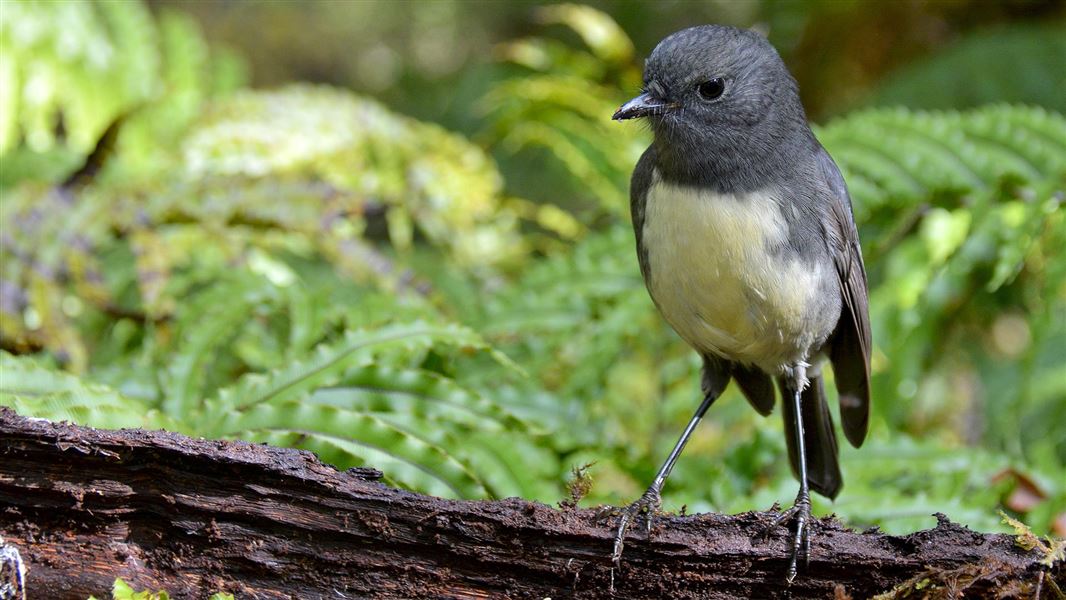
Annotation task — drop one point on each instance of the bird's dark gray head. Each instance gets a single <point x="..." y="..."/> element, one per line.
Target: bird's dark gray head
<point x="721" y="104"/>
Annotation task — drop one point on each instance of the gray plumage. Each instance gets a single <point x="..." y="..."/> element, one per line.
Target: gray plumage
<point x="756" y="137"/>
<point x="747" y="243"/>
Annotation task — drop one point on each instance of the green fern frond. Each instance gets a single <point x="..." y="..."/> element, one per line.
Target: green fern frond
<point x="898" y="154"/>
<point x="597" y="29"/>
<point x="208" y="321"/>
<point x="33" y="389"/>
<point x="514" y="464"/>
<point x="352" y="436"/>
<point x="360" y="400"/>
<point x="564" y="106"/>
<point x="82" y="62"/>
<point x="329" y="362"/>
<point x="966" y="209"/>
<point x="88" y="64"/>
<point x="415" y="392"/>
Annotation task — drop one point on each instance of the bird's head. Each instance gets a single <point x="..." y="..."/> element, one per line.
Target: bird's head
<point x="715" y="95"/>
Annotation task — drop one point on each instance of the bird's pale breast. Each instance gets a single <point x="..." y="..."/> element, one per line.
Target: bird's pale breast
<point x="719" y="279"/>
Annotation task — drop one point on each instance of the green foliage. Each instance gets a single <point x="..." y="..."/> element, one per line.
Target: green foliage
<point x="229" y="279"/>
<point x="371" y="397"/>
<point x="560" y="100"/>
<point x="1020" y="63"/>
<point x="365" y="400"/>
<point x="71" y="69"/>
<point x="962" y="218"/>
<point x="122" y="591"/>
<point x="304" y="267"/>
<point x="82" y="63"/>
<point x="34" y="389"/>
<point x="227" y="199"/>
<point x="425" y="180"/>
<point x="380" y="396"/>
<point x="1052" y="549"/>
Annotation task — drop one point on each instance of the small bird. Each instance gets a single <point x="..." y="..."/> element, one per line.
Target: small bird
<point x="747" y="244"/>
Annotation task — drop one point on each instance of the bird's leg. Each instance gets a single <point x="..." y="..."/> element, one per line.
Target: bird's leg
<point x="801" y="510"/>
<point x="651" y="501"/>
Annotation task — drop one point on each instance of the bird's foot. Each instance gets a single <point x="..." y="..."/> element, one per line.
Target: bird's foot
<point x="648" y="505"/>
<point x="800" y="515"/>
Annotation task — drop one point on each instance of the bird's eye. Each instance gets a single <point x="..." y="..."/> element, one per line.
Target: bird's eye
<point x="711" y="89"/>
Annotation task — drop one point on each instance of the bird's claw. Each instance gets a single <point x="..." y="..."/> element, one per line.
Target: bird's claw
<point x="800" y="514"/>
<point x="648" y="505"/>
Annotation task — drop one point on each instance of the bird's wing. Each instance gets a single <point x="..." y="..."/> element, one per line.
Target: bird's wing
<point x="850" y="345"/>
<point x="638" y="200"/>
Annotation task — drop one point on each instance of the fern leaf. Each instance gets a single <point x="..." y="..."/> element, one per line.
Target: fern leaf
<point x="330" y="361"/>
<point x="514" y="464"/>
<point x="35" y="390"/>
<point x="347" y="430"/>
<point x="419" y="393"/>
<point x="204" y="324"/>
<point x="598" y="30"/>
<point x="899" y="154"/>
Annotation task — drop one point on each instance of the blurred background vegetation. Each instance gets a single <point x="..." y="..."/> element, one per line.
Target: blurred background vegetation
<point x="397" y="234"/>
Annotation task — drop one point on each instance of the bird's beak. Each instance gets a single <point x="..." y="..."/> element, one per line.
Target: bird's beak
<point x="642" y="106"/>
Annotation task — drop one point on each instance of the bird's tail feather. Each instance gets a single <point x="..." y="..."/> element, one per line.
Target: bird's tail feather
<point x="819" y="437"/>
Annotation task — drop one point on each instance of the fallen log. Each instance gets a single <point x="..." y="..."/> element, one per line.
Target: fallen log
<point x="163" y="511"/>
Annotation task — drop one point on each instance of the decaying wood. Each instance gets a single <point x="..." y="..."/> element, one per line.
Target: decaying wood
<point x="164" y="511"/>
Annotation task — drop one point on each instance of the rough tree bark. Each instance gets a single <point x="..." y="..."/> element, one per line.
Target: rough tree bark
<point x="161" y="510"/>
